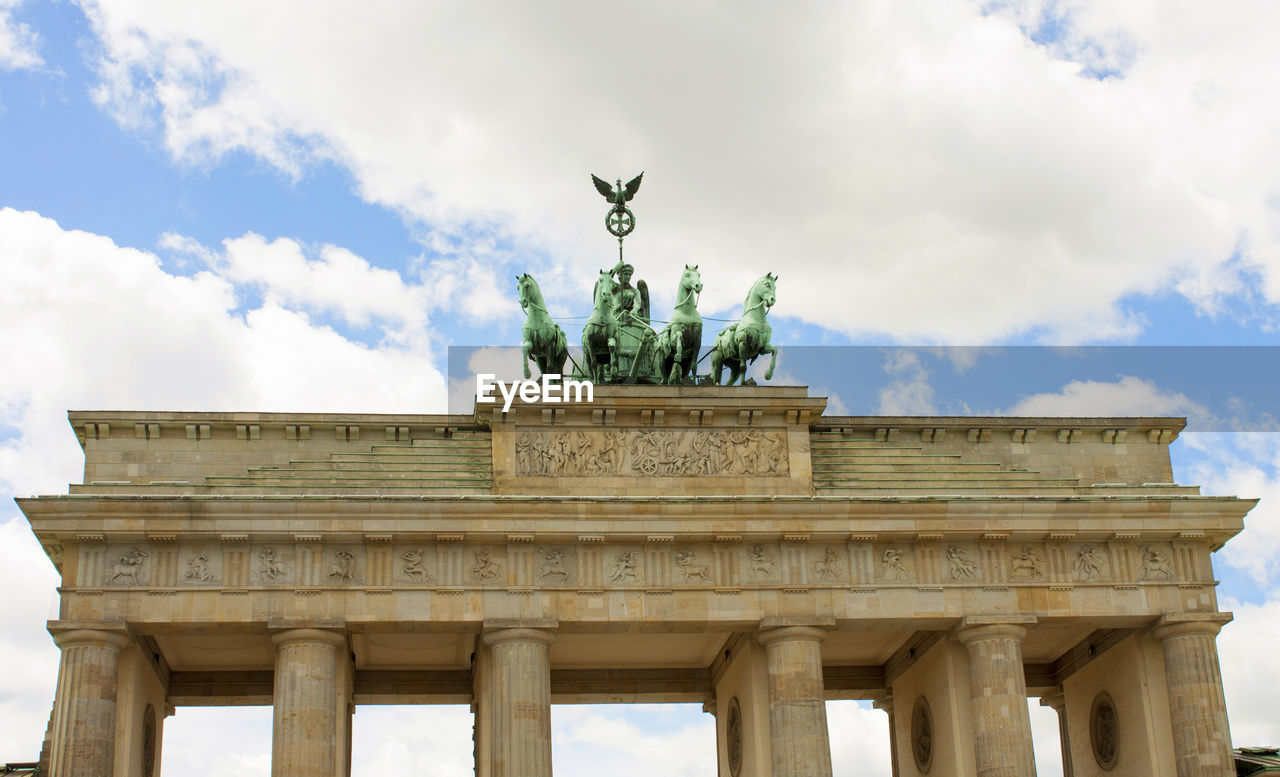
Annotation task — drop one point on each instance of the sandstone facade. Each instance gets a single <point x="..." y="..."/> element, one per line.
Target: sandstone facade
<point x="737" y="548"/>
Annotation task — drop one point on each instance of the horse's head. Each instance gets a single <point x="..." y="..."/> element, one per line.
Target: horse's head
<point x="764" y="290"/>
<point x="528" y="289"/>
<point x="603" y="293"/>
<point x="691" y="279"/>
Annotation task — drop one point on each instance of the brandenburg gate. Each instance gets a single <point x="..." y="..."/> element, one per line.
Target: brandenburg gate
<point x="734" y="547"/>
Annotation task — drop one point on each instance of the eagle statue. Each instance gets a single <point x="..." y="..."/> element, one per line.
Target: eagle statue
<point x="618" y="195"/>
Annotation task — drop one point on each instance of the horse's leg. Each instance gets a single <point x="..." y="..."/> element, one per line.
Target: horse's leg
<point x="525" y="347"/>
<point x="773" y="360"/>
<point x="677" y="361"/>
<point x="717" y="365"/>
<point x="612" y="370"/>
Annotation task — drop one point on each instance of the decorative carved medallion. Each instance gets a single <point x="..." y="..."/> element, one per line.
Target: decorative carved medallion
<point x="128" y="569"/>
<point x="1104" y="732"/>
<point x="922" y="735"/>
<point x="653" y="453"/>
<point x="149" y="741"/>
<point x="733" y="735"/>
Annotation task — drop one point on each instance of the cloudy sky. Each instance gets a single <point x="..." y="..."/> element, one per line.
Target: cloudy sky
<point x="300" y="205"/>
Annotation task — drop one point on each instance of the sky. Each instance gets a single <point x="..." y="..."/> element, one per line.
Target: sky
<point x="302" y="205"/>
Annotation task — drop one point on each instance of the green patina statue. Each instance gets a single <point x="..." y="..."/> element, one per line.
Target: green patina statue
<point x="619" y="344"/>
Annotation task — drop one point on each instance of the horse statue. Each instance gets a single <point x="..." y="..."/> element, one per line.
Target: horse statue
<point x="738" y="345"/>
<point x="600" y="333"/>
<point x="540" y="337"/>
<point x="680" y="341"/>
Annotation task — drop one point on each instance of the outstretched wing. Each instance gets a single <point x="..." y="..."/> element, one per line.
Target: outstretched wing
<point x="632" y="187"/>
<point x="604" y="187"/>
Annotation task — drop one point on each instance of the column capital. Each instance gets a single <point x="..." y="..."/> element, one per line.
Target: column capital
<point x="314" y="636"/>
<point x="769" y="636"/>
<point x="976" y="628"/>
<point x="1055" y="699"/>
<point x="884" y="702"/>
<point x="113" y="634"/>
<point x="1206" y="624"/>
<point x="518" y="634"/>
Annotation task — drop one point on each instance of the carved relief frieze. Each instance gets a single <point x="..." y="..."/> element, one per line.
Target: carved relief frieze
<point x="622" y="568"/>
<point x="961" y="565"/>
<point x="484" y="567"/>
<point x="1089" y="562"/>
<point x="343" y="567"/>
<point x="553" y="566"/>
<point x="660" y="562"/>
<point x="652" y="453"/>
<point x="1026" y="562"/>
<point x="273" y="566"/>
<point x="830" y="567"/>
<point x="693" y="569"/>
<point x="894" y="567"/>
<point x="127" y="568"/>
<point x="413" y="566"/>
<point x="1157" y="562"/>
<point x="200" y="565"/>
<point x="763" y="563"/>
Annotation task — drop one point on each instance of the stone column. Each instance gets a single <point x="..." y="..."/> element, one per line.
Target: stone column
<point x="1197" y="708"/>
<point x="304" y="737"/>
<point x="520" y="663"/>
<point x="1058" y="701"/>
<point x="998" y="698"/>
<point x="797" y="711"/>
<point x="84" y="711"/>
<point x="886" y="703"/>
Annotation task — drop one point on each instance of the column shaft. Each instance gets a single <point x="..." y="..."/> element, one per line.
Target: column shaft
<point x="304" y="737"/>
<point x="84" y="710"/>
<point x="521" y="702"/>
<point x="1197" y="707"/>
<point x="998" y="700"/>
<point x="799" y="741"/>
<point x="1058" y="701"/>
<point x="886" y="703"/>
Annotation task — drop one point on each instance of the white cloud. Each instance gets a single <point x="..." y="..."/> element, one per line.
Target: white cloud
<point x="1245" y="465"/>
<point x="19" y="44"/>
<point x="92" y="325"/>
<point x="879" y="154"/>
<point x="1250" y="673"/>
<point x="584" y="737"/>
<point x="909" y="392"/>
<point x="27" y="652"/>
<point x="1126" y="396"/>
